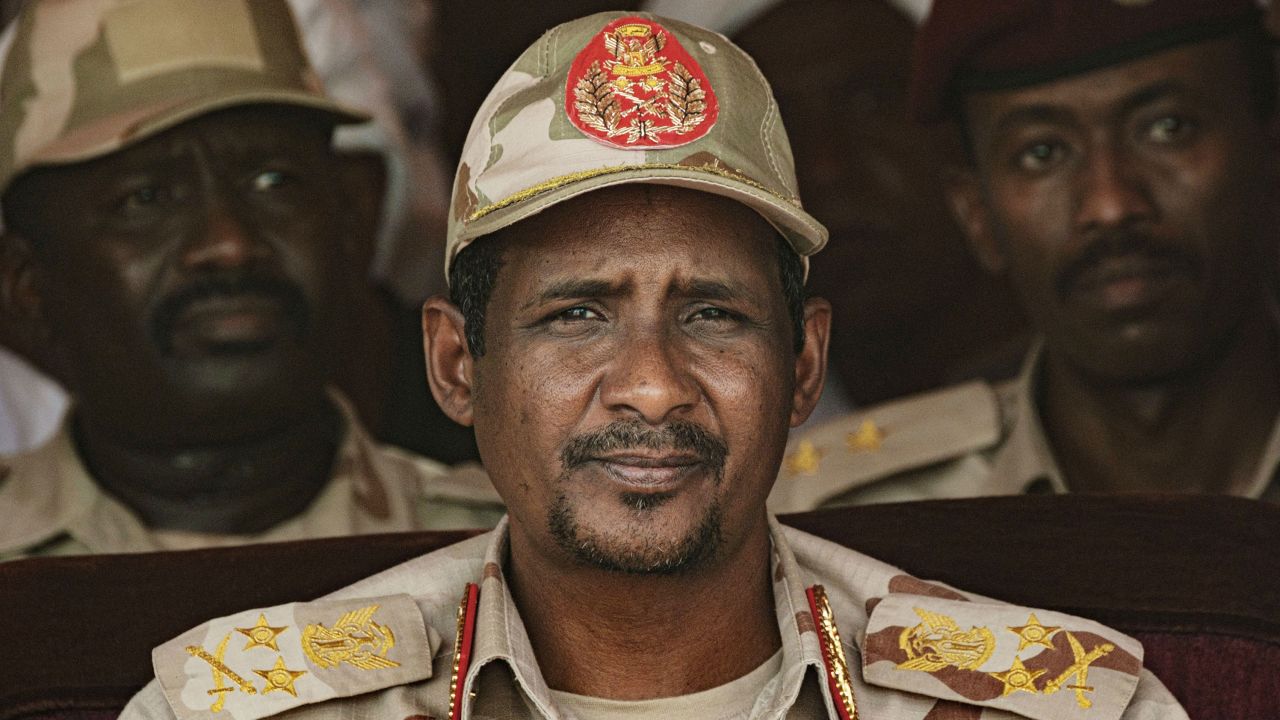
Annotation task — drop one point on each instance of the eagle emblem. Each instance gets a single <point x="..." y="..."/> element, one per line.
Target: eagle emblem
<point x="937" y="642"/>
<point x="355" y="639"/>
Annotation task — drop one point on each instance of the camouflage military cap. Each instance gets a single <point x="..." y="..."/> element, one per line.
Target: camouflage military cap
<point x="619" y="98"/>
<point x="83" y="78"/>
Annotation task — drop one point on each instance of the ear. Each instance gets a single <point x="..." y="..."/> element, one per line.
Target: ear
<point x="811" y="363"/>
<point x="22" y="320"/>
<point x="363" y="177"/>
<point x="968" y="201"/>
<point x="450" y="367"/>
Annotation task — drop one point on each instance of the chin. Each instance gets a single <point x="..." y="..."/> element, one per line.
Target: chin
<point x="639" y="534"/>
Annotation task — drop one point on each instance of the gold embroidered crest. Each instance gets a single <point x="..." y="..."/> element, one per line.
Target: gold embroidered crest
<point x="354" y="639"/>
<point x="938" y="642"/>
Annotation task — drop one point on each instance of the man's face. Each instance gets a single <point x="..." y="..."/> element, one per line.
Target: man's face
<point x="639" y="377"/>
<point x="189" y="279"/>
<point x="1125" y="204"/>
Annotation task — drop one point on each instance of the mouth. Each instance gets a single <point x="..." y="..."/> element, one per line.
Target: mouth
<point x="1127" y="282"/>
<point x="647" y="471"/>
<point x="229" y="324"/>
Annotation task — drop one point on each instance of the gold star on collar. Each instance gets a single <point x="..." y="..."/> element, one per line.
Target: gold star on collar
<point x="1033" y="633"/>
<point x="868" y="438"/>
<point x="805" y="460"/>
<point x="1018" y="678"/>
<point x="281" y="678"/>
<point x="262" y="634"/>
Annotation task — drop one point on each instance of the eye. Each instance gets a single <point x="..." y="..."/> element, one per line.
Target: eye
<point x="1170" y="129"/>
<point x="714" y="314"/>
<point x="1040" y="156"/>
<point x="147" y="196"/>
<point x="578" y="313"/>
<point x="269" y="180"/>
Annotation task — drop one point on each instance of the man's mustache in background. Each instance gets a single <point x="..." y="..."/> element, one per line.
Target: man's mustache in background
<point x="679" y="435"/>
<point x="289" y="296"/>
<point x="1121" y="243"/>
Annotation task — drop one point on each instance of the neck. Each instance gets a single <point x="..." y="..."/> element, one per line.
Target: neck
<point x="243" y="486"/>
<point x="1203" y="431"/>
<point x="638" y="637"/>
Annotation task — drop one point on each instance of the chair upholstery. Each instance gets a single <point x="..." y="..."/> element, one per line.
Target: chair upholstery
<point x="1197" y="579"/>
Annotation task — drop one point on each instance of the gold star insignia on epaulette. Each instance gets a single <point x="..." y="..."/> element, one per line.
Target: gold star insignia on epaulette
<point x="262" y="634"/>
<point x="1018" y="678"/>
<point x="805" y="460"/>
<point x="280" y="678"/>
<point x="868" y="438"/>
<point x="1033" y="633"/>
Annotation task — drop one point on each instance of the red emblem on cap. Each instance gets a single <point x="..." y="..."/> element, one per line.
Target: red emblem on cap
<point x="634" y="87"/>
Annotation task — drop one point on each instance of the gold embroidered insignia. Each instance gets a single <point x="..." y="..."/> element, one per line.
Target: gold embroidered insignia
<point x="635" y="87"/>
<point x="1080" y="669"/>
<point x="1018" y="678"/>
<point x="833" y="652"/>
<point x="868" y="438"/>
<point x="220" y="671"/>
<point x="1033" y="633"/>
<point x="355" y="639"/>
<point x="262" y="634"/>
<point x="280" y="678"/>
<point x="805" y="460"/>
<point x="938" y="642"/>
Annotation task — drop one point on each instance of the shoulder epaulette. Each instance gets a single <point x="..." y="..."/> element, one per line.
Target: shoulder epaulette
<point x="1037" y="664"/>
<point x="260" y="663"/>
<point x="868" y="445"/>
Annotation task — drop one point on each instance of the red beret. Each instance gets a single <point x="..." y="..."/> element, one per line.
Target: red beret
<point x="974" y="45"/>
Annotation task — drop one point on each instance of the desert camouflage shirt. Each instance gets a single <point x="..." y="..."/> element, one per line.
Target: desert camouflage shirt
<point x="50" y="505"/>
<point x="854" y="631"/>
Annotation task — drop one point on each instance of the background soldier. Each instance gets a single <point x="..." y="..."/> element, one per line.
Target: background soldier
<point x="1122" y="175"/>
<point x="176" y="234"/>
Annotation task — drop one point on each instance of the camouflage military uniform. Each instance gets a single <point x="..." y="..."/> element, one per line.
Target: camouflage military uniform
<point x="441" y="636"/>
<point x="968" y="440"/>
<point x="1015" y="656"/>
<point x="52" y="506"/>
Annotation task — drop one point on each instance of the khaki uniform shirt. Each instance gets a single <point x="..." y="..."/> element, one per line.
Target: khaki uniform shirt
<point x="49" y="504"/>
<point x="901" y="648"/>
<point x="968" y="440"/>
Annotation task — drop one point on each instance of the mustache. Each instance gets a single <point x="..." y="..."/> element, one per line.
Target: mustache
<point x="1122" y="243"/>
<point x="287" y="294"/>
<point x="681" y="435"/>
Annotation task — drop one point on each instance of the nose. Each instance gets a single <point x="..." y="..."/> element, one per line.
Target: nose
<point x="224" y="241"/>
<point x="649" y="379"/>
<point x="1111" y="191"/>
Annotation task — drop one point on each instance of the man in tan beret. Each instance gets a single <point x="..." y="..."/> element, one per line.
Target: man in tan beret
<point x="175" y="232"/>
<point x="627" y="332"/>
<point x="1122" y="176"/>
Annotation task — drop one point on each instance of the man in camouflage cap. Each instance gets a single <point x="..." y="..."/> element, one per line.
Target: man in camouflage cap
<point x="175" y="232"/>
<point x="1122" y="176"/>
<point x="628" y="336"/>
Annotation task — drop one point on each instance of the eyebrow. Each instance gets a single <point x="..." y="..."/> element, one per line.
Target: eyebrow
<point x="697" y="288"/>
<point x="1046" y="113"/>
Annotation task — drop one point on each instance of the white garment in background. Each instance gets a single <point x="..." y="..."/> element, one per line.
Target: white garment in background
<point x="31" y="404"/>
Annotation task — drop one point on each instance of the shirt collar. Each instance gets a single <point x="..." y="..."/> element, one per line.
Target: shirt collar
<point x="501" y="636"/>
<point x="47" y="493"/>
<point x="1025" y="459"/>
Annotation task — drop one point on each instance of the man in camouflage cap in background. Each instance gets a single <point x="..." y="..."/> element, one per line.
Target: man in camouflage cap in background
<point x="175" y="231"/>
<point x="627" y="333"/>
<point x="1122" y="175"/>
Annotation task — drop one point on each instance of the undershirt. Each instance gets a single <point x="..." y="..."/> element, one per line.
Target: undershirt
<point x="731" y="701"/>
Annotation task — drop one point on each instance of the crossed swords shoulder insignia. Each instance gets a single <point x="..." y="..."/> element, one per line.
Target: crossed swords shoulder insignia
<point x="937" y="642"/>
